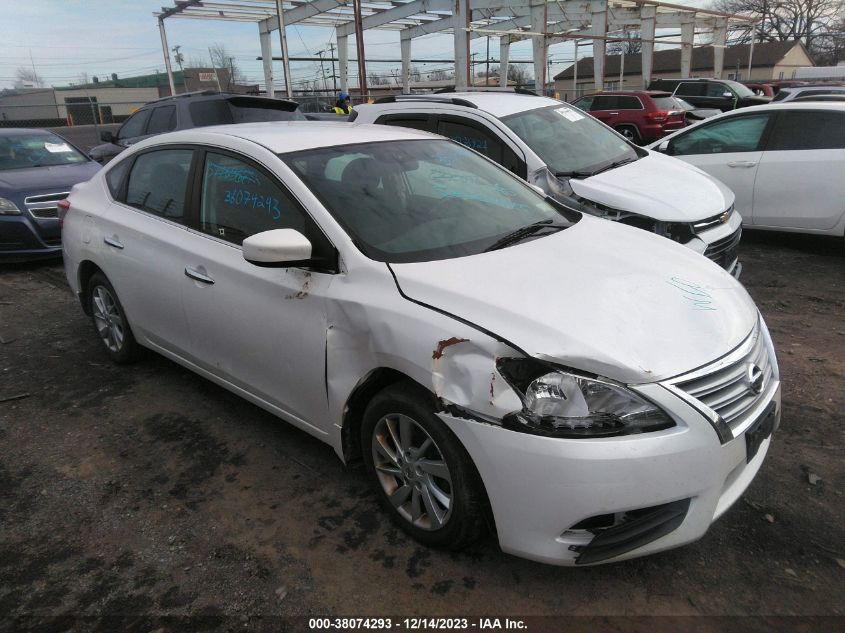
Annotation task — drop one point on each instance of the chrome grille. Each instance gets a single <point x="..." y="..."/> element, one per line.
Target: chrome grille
<point x="44" y="206"/>
<point x="727" y="389"/>
<point x="724" y="251"/>
<point x="714" y="221"/>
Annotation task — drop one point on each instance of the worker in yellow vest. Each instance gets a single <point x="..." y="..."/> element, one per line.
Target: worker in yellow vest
<point x="343" y="105"/>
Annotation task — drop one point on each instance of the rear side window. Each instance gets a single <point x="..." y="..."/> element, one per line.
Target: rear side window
<point x="629" y="103"/>
<point x="400" y="120"/>
<point x="738" y="134"/>
<point x="691" y="89"/>
<point x="163" y="119"/>
<point x="134" y="125"/>
<point x="717" y="90"/>
<point x="808" y="129"/>
<point x="115" y="176"/>
<point x="158" y="183"/>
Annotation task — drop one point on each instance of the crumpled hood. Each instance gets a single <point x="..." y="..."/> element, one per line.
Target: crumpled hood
<point x="599" y="296"/>
<point x="659" y="187"/>
<point x="45" y="179"/>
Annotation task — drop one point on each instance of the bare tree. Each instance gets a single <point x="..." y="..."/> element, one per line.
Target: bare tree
<point x="518" y="74"/>
<point x="376" y="80"/>
<point x="82" y="78"/>
<point x="438" y="74"/>
<point x="808" y="21"/>
<point x="221" y="58"/>
<point x="631" y="44"/>
<point x="28" y="75"/>
<point x="415" y="73"/>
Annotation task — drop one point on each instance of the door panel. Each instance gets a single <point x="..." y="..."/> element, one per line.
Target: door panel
<point x="800" y="189"/>
<point x="737" y="170"/>
<point x="261" y="329"/>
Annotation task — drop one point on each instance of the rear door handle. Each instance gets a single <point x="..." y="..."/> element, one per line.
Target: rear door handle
<point x="199" y="276"/>
<point x="113" y="241"/>
<point x="742" y="163"/>
<point x="614" y="113"/>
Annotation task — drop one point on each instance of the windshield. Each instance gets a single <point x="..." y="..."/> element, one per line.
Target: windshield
<point x="569" y="141"/>
<point x="19" y="151"/>
<point x="423" y="200"/>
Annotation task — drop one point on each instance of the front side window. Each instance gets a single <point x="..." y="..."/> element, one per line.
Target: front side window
<point x="569" y="141"/>
<point x="585" y="103"/>
<point x="158" y="183"/>
<point x="739" y="134"/>
<point x="421" y="200"/>
<point x="473" y="137"/>
<point x="239" y="200"/>
<point x="34" y="149"/>
<point x="604" y="103"/>
<point x="808" y="129"/>
<point x="718" y="90"/>
<point x="163" y="119"/>
<point x="134" y="125"/>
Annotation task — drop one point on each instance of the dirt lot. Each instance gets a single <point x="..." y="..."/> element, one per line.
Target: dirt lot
<point x="145" y="490"/>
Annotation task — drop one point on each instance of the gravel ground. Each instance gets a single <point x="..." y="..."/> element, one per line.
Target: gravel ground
<point x="145" y="491"/>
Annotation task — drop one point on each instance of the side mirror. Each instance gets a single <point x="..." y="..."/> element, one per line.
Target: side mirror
<point x="728" y="95"/>
<point x="663" y="148"/>
<point x="279" y="247"/>
<point x="107" y="137"/>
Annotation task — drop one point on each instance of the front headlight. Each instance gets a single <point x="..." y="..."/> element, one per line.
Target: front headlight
<point x="565" y="404"/>
<point x="7" y="207"/>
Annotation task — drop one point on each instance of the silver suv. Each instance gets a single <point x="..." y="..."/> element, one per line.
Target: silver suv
<point x="579" y="161"/>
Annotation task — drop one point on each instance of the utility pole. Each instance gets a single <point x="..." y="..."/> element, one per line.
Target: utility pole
<point x="231" y="72"/>
<point x="323" y="71"/>
<point x="487" y="62"/>
<point x="178" y="57"/>
<point x="472" y="70"/>
<point x="334" y="76"/>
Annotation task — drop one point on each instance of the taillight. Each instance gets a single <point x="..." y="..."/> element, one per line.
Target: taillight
<point x="64" y="207"/>
<point x="657" y="117"/>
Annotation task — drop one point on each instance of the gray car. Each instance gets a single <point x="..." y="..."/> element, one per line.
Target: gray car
<point x="190" y="110"/>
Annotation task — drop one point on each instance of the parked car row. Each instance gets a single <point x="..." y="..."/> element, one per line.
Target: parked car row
<point x="599" y="391"/>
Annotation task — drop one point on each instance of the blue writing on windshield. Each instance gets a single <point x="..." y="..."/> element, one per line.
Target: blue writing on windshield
<point x="241" y="175"/>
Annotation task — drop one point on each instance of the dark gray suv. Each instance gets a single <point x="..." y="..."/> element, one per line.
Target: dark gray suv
<point x="722" y="94"/>
<point x="191" y="110"/>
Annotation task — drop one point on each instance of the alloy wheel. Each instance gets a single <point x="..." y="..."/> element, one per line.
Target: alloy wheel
<point x="107" y="318"/>
<point x="412" y="471"/>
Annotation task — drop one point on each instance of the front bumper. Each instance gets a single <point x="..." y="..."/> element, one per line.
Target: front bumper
<point x="540" y="488"/>
<point x="21" y="240"/>
<point x="720" y="244"/>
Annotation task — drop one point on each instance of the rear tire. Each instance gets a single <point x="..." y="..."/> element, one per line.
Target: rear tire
<point x="423" y="476"/>
<point x="110" y="321"/>
<point x="630" y="133"/>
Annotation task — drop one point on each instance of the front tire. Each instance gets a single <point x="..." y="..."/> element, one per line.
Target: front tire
<point x="423" y="475"/>
<point x="110" y="321"/>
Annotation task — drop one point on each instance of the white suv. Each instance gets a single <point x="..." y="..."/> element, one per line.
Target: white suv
<point x="578" y="160"/>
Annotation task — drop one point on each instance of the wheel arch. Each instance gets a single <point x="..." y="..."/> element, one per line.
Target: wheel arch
<point x="86" y="270"/>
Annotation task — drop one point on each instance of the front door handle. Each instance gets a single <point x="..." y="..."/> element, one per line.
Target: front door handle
<point x="613" y="113"/>
<point x="742" y="163"/>
<point x="113" y="241"/>
<point x="199" y="276"/>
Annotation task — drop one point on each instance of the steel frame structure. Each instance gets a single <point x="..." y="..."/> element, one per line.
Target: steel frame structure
<point x="543" y="21"/>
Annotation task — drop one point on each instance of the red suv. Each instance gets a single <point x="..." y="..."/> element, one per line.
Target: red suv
<point x="641" y="116"/>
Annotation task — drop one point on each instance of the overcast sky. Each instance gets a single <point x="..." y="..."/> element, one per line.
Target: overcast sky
<point x="64" y="38"/>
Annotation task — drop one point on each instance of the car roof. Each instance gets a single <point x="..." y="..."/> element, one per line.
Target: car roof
<point x="632" y="93"/>
<point x="495" y="102"/>
<point x="292" y="136"/>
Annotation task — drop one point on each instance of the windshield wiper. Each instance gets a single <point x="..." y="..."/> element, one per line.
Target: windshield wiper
<point x="614" y="165"/>
<point x="573" y="174"/>
<point x="526" y="231"/>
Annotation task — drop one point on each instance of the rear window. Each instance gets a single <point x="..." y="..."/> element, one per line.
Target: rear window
<point x="242" y="110"/>
<point x="667" y="103"/>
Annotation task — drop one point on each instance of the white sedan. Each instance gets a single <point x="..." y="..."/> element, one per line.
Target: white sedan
<point x="784" y="162"/>
<point x="605" y="392"/>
